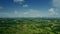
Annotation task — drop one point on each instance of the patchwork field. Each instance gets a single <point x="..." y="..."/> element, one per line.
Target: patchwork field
<point x="29" y="26"/>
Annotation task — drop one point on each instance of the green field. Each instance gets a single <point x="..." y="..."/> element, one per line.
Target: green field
<point x="29" y="26"/>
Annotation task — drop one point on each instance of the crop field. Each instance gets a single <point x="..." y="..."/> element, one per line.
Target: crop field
<point x="29" y="26"/>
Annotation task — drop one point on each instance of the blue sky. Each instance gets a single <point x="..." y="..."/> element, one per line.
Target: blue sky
<point x="29" y="8"/>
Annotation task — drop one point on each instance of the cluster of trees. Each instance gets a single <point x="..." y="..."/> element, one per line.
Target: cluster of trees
<point x="29" y="26"/>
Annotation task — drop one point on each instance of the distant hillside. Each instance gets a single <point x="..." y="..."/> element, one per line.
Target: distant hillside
<point x="29" y="26"/>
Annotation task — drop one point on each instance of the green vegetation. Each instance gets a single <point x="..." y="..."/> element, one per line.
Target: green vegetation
<point x="29" y="26"/>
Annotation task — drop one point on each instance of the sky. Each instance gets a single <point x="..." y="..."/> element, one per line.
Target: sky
<point x="29" y="8"/>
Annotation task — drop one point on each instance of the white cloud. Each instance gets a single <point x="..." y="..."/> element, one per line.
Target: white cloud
<point x="16" y="12"/>
<point x="25" y="5"/>
<point x="52" y="11"/>
<point x="29" y="13"/>
<point x="21" y="2"/>
<point x="32" y="13"/>
<point x="18" y="0"/>
<point x="56" y="3"/>
<point x="1" y="7"/>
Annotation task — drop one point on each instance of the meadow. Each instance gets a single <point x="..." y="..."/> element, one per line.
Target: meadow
<point x="29" y="26"/>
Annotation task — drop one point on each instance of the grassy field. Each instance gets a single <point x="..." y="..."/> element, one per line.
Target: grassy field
<point x="29" y="26"/>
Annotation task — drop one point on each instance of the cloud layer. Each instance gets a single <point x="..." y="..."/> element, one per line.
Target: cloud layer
<point x="1" y="7"/>
<point x="22" y="2"/>
<point x="18" y="0"/>
<point x="52" y="11"/>
<point x="56" y="7"/>
<point x="29" y="13"/>
<point x="56" y="3"/>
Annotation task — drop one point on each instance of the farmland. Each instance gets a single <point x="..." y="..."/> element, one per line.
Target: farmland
<point x="29" y="26"/>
